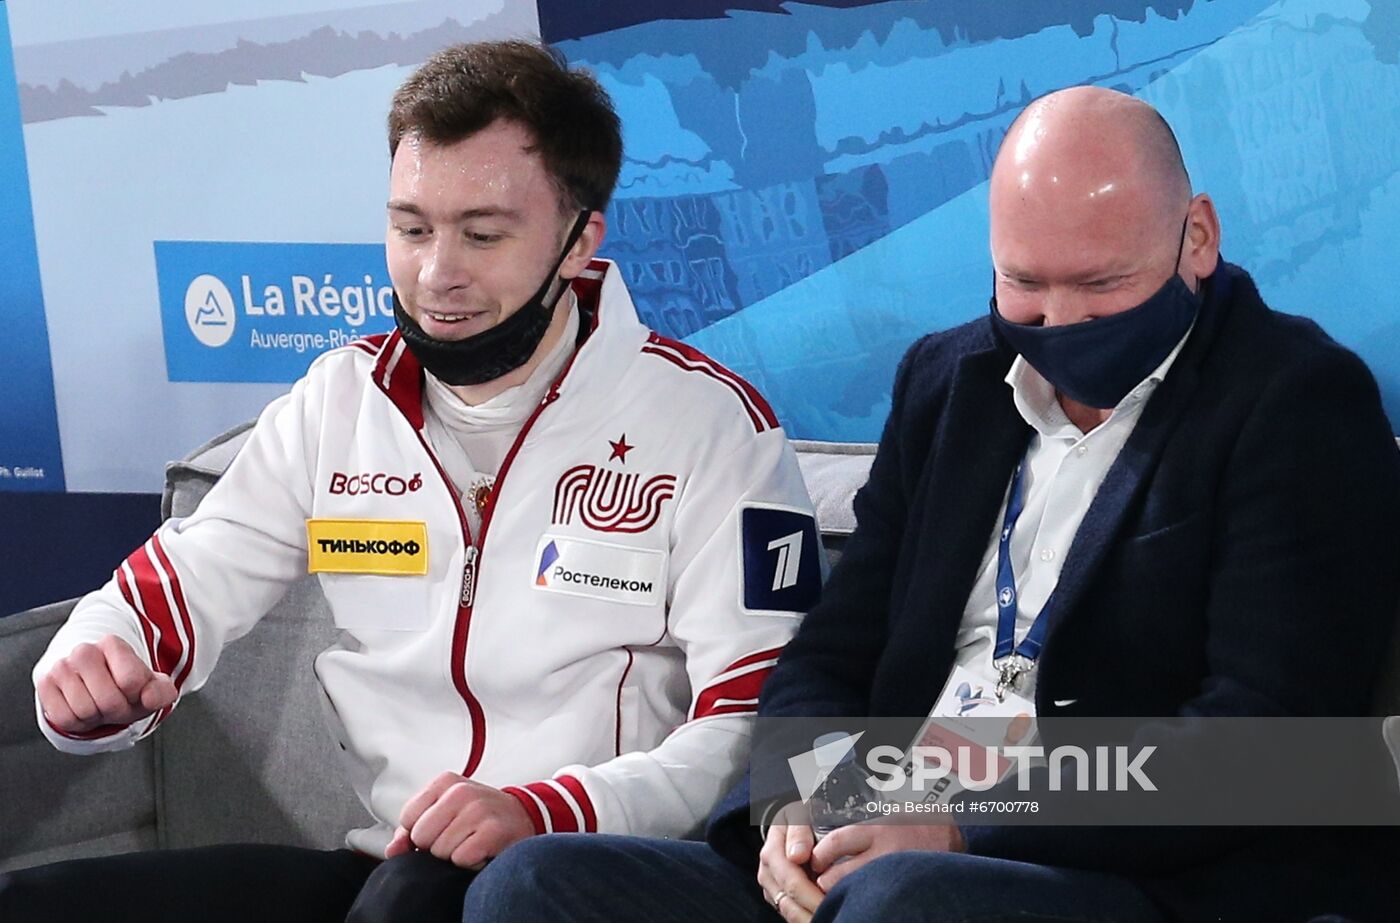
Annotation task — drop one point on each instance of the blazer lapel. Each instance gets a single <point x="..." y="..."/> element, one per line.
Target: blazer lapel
<point x="964" y="482"/>
<point x="1130" y="472"/>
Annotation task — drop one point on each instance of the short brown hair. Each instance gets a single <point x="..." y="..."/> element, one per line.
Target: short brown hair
<point x="465" y="88"/>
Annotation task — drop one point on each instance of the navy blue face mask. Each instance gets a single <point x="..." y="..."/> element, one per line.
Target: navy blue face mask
<point x="1097" y="363"/>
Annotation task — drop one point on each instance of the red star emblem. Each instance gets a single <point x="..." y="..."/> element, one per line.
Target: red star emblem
<point x="620" y="448"/>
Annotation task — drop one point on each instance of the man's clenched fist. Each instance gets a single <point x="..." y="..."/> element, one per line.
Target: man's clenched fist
<point x="101" y="684"/>
<point x="460" y="821"/>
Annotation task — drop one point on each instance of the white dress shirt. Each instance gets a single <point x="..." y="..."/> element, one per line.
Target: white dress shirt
<point x="1063" y="470"/>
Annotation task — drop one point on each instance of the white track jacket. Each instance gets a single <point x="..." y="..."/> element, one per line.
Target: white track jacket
<point x="597" y="650"/>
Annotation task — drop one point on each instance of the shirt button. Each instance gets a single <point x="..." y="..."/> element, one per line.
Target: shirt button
<point x="1047" y="554"/>
<point x="1083" y="450"/>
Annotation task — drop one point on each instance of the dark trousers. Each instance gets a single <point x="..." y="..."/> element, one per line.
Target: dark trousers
<point x="237" y="884"/>
<point x="573" y="878"/>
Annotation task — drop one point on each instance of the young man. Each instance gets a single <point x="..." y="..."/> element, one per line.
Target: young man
<point x="564" y="551"/>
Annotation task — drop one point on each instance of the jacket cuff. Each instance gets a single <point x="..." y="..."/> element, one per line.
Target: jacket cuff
<point x="97" y="733"/>
<point x="558" y="805"/>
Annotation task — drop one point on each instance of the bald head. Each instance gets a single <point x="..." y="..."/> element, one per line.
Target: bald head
<point x="1094" y="144"/>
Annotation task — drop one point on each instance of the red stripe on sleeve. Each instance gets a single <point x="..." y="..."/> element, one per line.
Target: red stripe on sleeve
<point x="152" y="594"/>
<point x="561" y="818"/>
<point x="531" y="808"/>
<point x="97" y="733"/>
<point x="735" y="708"/>
<point x="722" y="371"/>
<point x="575" y="787"/>
<point x="681" y="363"/>
<point x="141" y="620"/>
<point x="743" y="687"/>
<point x="770" y="654"/>
<point x="179" y="595"/>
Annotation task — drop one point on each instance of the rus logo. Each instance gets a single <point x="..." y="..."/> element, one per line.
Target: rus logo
<point x="611" y="501"/>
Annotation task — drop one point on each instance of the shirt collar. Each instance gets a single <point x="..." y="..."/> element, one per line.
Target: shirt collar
<point x="1036" y="402"/>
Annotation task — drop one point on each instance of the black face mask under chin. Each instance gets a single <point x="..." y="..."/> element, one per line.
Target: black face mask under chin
<point x="498" y="350"/>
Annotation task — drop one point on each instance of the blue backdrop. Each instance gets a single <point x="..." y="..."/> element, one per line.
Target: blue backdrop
<point x="30" y="459"/>
<point x="803" y="193"/>
<point x="805" y="187"/>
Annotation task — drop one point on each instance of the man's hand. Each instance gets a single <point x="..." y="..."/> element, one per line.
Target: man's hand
<point x="100" y="684"/>
<point x="460" y="821"/>
<point x="785" y="882"/>
<point x="843" y="851"/>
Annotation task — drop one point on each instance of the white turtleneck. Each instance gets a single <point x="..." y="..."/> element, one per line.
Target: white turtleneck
<point x="471" y="441"/>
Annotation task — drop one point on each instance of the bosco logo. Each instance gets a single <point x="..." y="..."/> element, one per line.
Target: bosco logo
<point x="374" y="483"/>
<point x="209" y="311"/>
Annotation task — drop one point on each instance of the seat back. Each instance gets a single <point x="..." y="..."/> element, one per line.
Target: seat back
<point x="248" y="758"/>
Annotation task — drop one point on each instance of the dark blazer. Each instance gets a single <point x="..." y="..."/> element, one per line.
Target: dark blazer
<point x="1239" y="559"/>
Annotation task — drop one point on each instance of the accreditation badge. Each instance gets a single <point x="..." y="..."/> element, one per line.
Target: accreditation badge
<point x="965" y="737"/>
<point x="367" y="546"/>
<point x="966" y="695"/>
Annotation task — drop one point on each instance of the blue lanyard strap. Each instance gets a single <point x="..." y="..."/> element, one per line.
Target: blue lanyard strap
<point x="1007" y="600"/>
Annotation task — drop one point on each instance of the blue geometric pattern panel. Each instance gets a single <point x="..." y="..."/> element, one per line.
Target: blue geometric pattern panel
<point x="804" y="189"/>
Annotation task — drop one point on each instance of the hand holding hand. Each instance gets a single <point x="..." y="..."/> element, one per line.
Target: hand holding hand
<point x="781" y="874"/>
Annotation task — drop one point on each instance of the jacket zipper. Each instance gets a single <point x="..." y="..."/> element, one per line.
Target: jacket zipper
<point x="471" y="568"/>
<point x="469" y="576"/>
<point x="476" y="715"/>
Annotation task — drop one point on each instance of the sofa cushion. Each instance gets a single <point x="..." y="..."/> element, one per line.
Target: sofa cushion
<point x="248" y="758"/>
<point x="834" y="471"/>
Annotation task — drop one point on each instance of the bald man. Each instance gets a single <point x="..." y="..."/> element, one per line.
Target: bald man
<point x="1130" y="489"/>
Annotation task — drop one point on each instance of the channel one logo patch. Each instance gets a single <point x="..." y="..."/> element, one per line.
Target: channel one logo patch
<point x="261" y="312"/>
<point x="781" y="558"/>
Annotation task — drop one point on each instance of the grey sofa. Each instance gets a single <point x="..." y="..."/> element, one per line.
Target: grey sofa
<point x="247" y="758"/>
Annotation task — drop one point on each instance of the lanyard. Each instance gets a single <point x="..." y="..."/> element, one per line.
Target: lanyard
<point x="1012" y="659"/>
